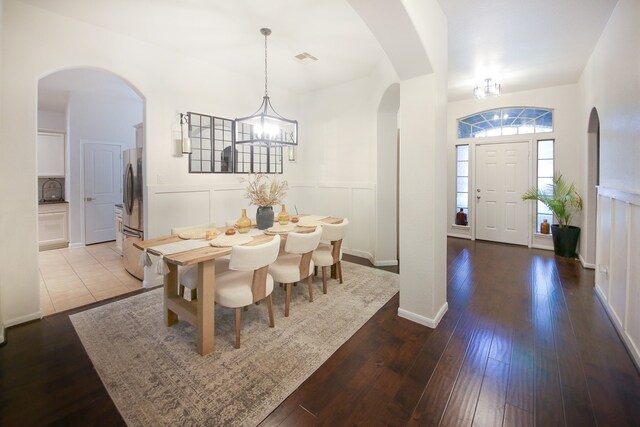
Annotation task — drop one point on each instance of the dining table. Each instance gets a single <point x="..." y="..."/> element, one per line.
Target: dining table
<point x="199" y="313"/>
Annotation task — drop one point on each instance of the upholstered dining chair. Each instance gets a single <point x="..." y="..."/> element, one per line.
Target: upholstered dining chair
<point x="248" y="280"/>
<point x="327" y="255"/>
<point x="294" y="264"/>
<point x="190" y="281"/>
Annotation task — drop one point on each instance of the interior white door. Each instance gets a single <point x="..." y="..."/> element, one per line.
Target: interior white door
<point x="501" y="177"/>
<point x="102" y="190"/>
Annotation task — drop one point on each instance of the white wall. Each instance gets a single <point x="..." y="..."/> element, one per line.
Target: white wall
<point x="423" y="115"/>
<point x="168" y="81"/>
<point x="335" y="168"/>
<point x="564" y="100"/>
<point x="3" y="188"/>
<point x="610" y="83"/>
<point x="52" y="120"/>
<point x="94" y="118"/>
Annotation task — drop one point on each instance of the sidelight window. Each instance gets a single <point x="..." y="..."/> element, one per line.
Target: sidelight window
<point x="545" y="179"/>
<point x="462" y="179"/>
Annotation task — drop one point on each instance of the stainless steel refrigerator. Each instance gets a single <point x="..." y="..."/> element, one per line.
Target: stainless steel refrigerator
<point x="133" y="213"/>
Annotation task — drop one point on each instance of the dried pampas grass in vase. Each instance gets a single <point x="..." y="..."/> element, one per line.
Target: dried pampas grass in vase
<point x="264" y="193"/>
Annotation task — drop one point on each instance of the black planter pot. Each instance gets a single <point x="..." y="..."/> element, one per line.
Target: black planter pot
<point x="264" y="217"/>
<point x="565" y="240"/>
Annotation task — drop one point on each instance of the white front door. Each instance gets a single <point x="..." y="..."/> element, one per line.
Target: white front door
<point x="102" y="190"/>
<point x="501" y="177"/>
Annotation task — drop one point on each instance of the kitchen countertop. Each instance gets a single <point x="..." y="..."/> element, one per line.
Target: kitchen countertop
<point x="52" y="202"/>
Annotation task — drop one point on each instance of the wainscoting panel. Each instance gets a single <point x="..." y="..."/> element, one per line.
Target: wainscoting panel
<point x="603" y="248"/>
<point x="228" y="204"/>
<point x="361" y="232"/>
<point x="182" y="205"/>
<point x="633" y="310"/>
<point x="617" y="262"/>
<point x="176" y="206"/>
<point x="353" y="201"/>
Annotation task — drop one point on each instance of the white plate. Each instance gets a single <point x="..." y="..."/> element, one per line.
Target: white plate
<point x="224" y="241"/>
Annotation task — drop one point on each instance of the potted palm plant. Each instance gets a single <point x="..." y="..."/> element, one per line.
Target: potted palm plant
<point x="564" y="202"/>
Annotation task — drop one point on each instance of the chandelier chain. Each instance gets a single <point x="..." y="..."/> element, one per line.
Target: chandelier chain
<point x="266" y="92"/>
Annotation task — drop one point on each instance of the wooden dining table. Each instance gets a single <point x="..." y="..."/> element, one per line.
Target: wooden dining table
<point x="200" y="313"/>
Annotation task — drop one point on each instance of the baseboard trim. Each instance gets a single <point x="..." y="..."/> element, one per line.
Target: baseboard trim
<point x="23" y="319"/>
<point x="586" y="264"/>
<point x="626" y="341"/>
<point x="76" y="245"/>
<point x="459" y="236"/>
<point x="385" y="263"/>
<point x="361" y="254"/>
<point x="425" y="321"/>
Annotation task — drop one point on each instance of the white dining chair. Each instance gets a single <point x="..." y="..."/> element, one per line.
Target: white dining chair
<point x="248" y="280"/>
<point x="294" y="264"/>
<point x="190" y="281"/>
<point x="328" y="254"/>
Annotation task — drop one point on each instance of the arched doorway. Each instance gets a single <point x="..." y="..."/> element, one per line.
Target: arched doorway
<point x="97" y="107"/>
<point x="386" y="246"/>
<point x="593" y="179"/>
<point x="99" y="119"/>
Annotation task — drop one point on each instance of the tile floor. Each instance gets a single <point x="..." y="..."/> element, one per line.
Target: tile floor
<point x="72" y="277"/>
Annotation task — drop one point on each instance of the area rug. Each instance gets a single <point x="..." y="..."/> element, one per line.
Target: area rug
<point x="156" y="378"/>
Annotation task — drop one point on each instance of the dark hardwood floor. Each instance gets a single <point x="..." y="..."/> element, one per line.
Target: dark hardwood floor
<point x="525" y="342"/>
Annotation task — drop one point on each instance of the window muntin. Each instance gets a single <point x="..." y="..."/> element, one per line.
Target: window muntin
<point x="506" y="121"/>
<point x="214" y="149"/>
<point x="462" y="179"/>
<point x="545" y="168"/>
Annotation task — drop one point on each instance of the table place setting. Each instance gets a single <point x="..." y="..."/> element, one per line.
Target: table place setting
<point x="225" y="240"/>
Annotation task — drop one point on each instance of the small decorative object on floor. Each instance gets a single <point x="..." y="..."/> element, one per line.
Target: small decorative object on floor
<point x="544" y="227"/>
<point x="461" y="218"/>
<point x="283" y="216"/>
<point x="243" y="224"/>
<point x="265" y="195"/>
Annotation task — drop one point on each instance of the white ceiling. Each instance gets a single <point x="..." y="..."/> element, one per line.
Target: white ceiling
<point x="227" y="33"/>
<point x="523" y="44"/>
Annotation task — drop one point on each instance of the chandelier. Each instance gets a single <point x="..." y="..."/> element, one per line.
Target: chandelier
<point x="488" y="89"/>
<point x="266" y="127"/>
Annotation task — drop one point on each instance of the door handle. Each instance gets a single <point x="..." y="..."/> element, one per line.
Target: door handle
<point x="88" y="199"/>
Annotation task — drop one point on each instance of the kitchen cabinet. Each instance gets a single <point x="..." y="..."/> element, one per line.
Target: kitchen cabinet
<point x="53" y="226"/>
<point x="51" y="154"/>
<point x="119" y="235"/>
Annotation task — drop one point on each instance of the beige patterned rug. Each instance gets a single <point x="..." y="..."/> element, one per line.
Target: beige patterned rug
<point x="155" y="377"/>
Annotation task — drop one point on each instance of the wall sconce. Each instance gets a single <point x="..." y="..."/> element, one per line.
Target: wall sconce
<point x="184" y="136"/>
<point x="292" y="154"/>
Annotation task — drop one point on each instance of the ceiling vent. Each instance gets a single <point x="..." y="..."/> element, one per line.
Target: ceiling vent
<point x="305" y="58"/>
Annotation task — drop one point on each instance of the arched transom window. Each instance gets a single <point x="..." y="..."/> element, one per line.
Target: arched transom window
<point x="506" y="121"/>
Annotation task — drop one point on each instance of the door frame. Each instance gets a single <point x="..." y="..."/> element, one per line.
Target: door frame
<point x="83" y="144"/>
